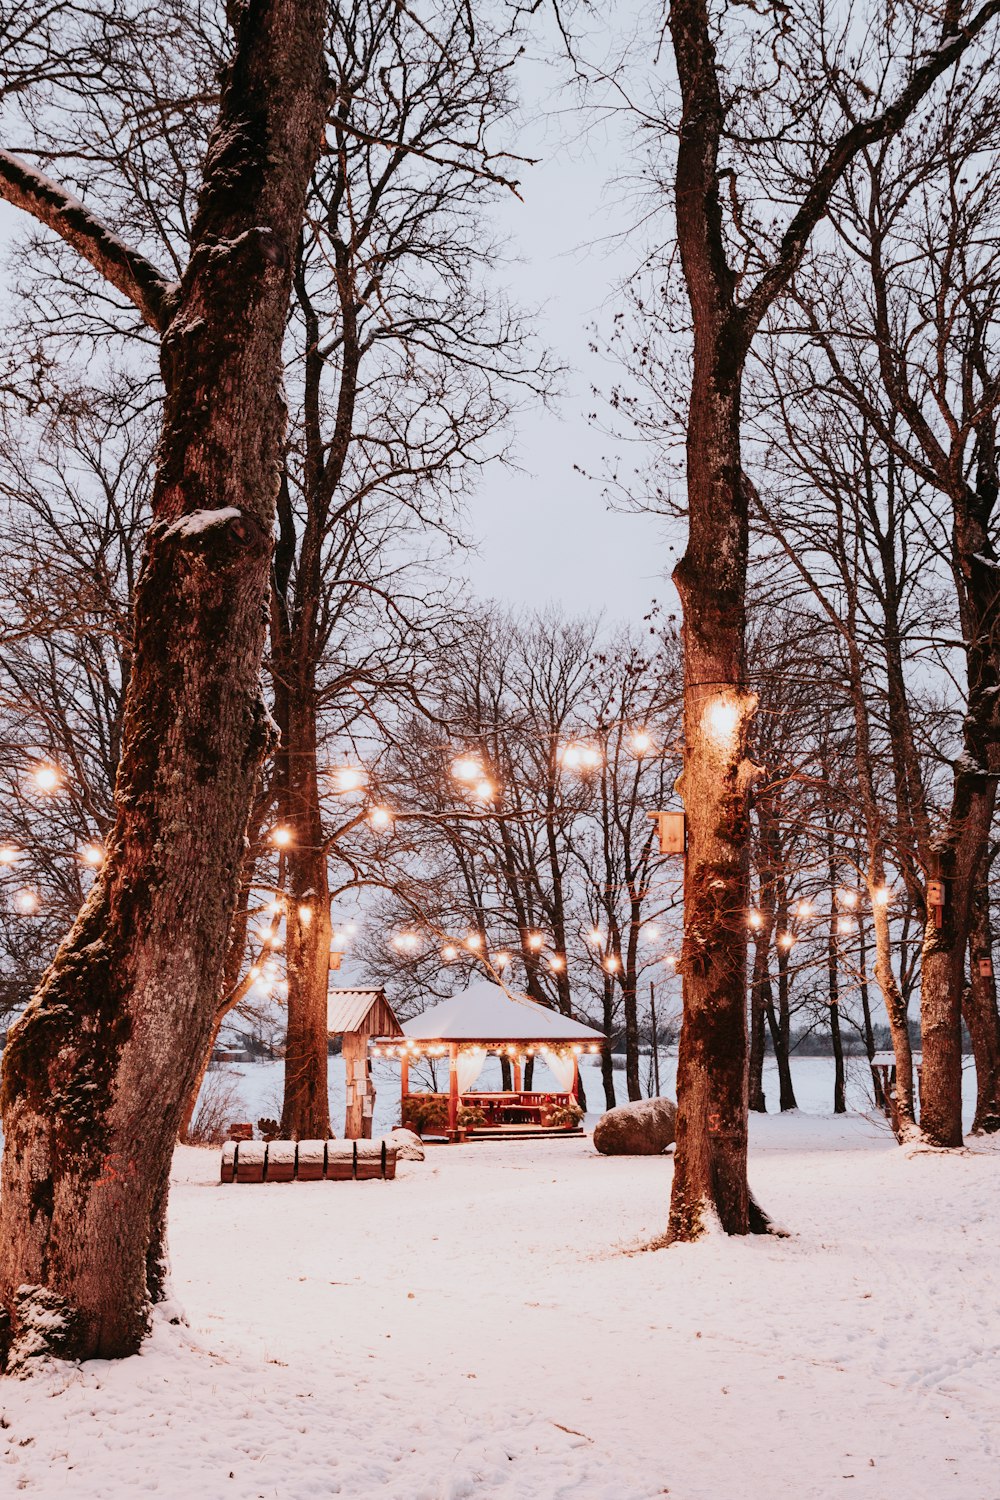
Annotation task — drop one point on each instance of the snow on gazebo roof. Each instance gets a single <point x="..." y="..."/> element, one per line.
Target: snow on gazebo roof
<point x="486" y="1012"/>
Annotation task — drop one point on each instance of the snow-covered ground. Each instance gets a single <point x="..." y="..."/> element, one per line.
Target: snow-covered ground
<point x="488" y="1327"/>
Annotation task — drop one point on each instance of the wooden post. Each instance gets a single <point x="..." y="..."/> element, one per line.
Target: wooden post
<point x="453" y="1087"/>
<point x="517" y="1073"/>
<point x="352" y="1112"/>
<point x="575" y="1090"/>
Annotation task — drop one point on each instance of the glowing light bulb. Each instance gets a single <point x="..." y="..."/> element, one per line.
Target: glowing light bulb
<point x="466" y="768"/>
<point x="9" y="854"/>
<point x="26" y="902"/>
<point x="275" y="908"/>
<point x="670" y="959"/>
<point x="595" y="936"/>
<point x="449" y="952"/>
<point x="785" y="940"/>
<point x="474" y="941"/>
<point x="501" y="960"/>
<point x="847" y="898"/>
<point x="557" y="963"/>
<point x="612" y="964"/>
<point x="92" y="855"/>
<point x="755" y="920"/>
<point x="882" y="895"/>
<point x="380" y="819"/>
<point x="844" y="924"/>
<point x="806" y="909"/>
<point x="281" y="837"/>
<point x="651" y="931"/>
<point x="254" y="971"/>
<point x="535" y="940"/>
<point x="721" y="722"/>
<point x="305" y="915"/>
<point x="46" y="778"/>
<point x="485" y="791"/>
<point x="350" y="778"/>
<point x="641" y="742"/>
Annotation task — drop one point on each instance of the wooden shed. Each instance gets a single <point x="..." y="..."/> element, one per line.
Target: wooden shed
<point x="357" y="1015"/>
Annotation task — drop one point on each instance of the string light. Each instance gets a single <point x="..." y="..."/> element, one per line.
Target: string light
<point x="641" y="742"/>
<point x="579" y="756"/>
<point x="92" y="855"/>
<point x="305" y="915"/>
<point x="281" y="836"/>
<point x="380" y="819"/>
<point x="46" y="779"/>
<point x="501" y="960"/>
<point x="721" y="721"/>
<point x="449" y="953"/>
<point x="406" y="942"/>
<point x="670" y="959"/>
<point x="557" y="963"/>
<point x="9" y="854"/>
<point x="474" y="941"/>
<point x="806" y="909"/>
<point x="595" y="936"/>
<point x="466" y="768"/>
<point x="275" y="908"/>
<point x="844" y="924"/>
<point x="755" y="920"/>
<point x="534" y="941"/>
<point x="612" y="964"/>
<point x="485" y="791"/>
<point x="651" y="931"/>
<point x="350" y="778"/>
<point x="882" y="895"/>
<point x="26" y="902"/>
<point x="847" y="898"/>
<point x="785" y="940"/>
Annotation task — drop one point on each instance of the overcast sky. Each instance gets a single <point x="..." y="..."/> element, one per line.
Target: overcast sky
<point x="546" y="533"/>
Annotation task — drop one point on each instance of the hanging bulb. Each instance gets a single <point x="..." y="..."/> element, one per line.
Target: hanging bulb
<point x="46" y="779"/>
<point x="380" y="818"/>
<point x="281" y="836"/>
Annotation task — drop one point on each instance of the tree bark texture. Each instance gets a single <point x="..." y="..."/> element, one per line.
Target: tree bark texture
<point x="980" y="1011"/>
<point x="96" y="1074"/>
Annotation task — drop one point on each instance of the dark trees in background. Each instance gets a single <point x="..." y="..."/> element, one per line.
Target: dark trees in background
<point x="96" y="1073"/>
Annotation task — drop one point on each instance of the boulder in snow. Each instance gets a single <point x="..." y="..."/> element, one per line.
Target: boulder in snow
<point x="645" y="1127"/>
<point x="408" y="1144"/>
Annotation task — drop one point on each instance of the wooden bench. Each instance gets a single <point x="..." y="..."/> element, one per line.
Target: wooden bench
<point x="307" y="1161"/>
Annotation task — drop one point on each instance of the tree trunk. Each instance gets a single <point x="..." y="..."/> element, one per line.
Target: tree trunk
<point x="305" y="1113"/>
<point x="631" y="1013"/>
<point x="96" y="1074"/>
<point x="761" y="982"/>
<point x="980" y="1010"/>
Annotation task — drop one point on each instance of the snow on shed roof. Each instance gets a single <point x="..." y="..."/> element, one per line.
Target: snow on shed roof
<point x="347" y="1009"/>
<point x="486" y="1012"/>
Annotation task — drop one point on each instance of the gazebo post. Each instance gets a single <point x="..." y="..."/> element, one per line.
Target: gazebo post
<point x="574" y="1091"/>
<point x="517" y="1072"/>
<point x="404" y="1086"/>
<point x="452" y="1087"/>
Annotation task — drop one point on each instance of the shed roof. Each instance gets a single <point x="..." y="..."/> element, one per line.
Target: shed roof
<point x="346" y="1009"/>
<point x="487" y="1012"/>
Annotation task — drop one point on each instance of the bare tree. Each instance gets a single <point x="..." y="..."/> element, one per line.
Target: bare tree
<point x="96" y="1073"/>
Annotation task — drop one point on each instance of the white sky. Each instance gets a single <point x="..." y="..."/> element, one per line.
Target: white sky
<point x="546" y="534"/>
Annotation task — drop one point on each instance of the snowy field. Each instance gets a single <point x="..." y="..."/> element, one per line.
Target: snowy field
<point x="488" y="1327"/>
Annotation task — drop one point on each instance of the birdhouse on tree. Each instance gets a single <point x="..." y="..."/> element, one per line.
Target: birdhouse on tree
<point x="356" y="1016"/>
<point x="672" y="830"/>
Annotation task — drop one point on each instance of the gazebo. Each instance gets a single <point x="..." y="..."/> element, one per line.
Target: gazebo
<point x="487" y="1018"/>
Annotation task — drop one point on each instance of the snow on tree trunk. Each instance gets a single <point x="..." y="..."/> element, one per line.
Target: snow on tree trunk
<point x="96" y="1074"/>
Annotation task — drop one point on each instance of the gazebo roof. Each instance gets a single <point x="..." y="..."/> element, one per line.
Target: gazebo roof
<point x="486" y="1012"/>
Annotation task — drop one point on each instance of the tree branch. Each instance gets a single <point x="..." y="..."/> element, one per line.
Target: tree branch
<point x="126" y="269"/>
<point x="842" y="153"/>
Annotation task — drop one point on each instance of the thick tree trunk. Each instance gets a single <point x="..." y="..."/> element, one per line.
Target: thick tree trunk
<point x="710" y="1163"/>
<point x="305" y="1111"/>
<point x="631" y="1014"/>
<point x="96" y="1074"/>
<point x="980" y="1011"/>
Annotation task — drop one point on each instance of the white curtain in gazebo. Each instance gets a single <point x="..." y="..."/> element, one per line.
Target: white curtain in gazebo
<point x="470" y="1065"/>
<point x="561" y="1066"/>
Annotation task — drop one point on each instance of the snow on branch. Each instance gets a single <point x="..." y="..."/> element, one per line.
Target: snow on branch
<point x="127" y="269"/>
